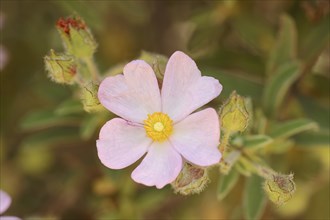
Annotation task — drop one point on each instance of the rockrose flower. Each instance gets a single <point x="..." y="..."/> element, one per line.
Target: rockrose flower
<point x="159" y="123"/>
<point x="5" y="201"/>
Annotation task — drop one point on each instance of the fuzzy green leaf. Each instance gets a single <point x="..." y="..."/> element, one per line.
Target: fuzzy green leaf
<point x="226" y="183"/>
<point x="278" y="85"/>
<point x="69" y="107"/>
<point x="285" y="48"/>
<point x="316" y="111"/>
<point x="52" y="136"/>
<point x="254" y="198"/>
<point x="254" y="33"/>
<point x="292" y="127"/>
<point x="315" y="39"/>
<point x="243" y="85"/>
<point x="45" y="118"/>
<point x="314" y="139"/>
<point x="256" y="141"/>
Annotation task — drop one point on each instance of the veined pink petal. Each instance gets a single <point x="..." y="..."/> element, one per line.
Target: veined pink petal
<point x="121" y="144"/>
<point x="184" y="89"/>
<point x="160" y="167"/>
<point x="133" y="95"/>
<point x="196" y="138"/>
<point x="5" y="201"/>
<point x="9" y="218"/>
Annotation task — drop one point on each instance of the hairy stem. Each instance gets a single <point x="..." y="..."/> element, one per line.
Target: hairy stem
<point x="92" y="69"/>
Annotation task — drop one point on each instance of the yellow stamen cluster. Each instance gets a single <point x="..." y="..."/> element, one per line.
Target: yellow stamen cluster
<point x="159" y="126"/>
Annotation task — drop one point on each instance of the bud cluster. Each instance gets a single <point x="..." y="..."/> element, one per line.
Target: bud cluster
<point x="76" y="64"/>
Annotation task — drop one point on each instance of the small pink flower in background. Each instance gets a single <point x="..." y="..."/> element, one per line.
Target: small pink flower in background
<point x="5" y="202"/>
<point x="4" y="55"/>
<point x="159" y="123"/>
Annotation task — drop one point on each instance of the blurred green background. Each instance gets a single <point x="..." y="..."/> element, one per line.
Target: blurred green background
<point x="49" y="163"/>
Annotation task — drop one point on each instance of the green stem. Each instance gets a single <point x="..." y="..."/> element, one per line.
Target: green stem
<point x="79" y="80"/>
<point x="224" y="142"/>
<point x="261" y="170"/>
<point x="92" y="68"/>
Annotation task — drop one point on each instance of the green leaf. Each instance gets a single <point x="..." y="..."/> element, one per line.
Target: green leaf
<point x="51" y="137"/>
<point x="203" y="39"/>
<point x="69" y="107"/>
<point x="45" y="118"/>
<point x="256" y="141"/>
<point x="226" y="183"/>
<point x="314" y="139"/>
<point x="242" y="84"/>
<point x="201" y="33"/>
<point x="285" y="48"/>
<point x="316" y="111"/>
<point x="278" y="86"/>
<point x="292" y="127"/>
<point x="254" y="200"/>
<point x="244" y="167"/>
<point x="280" y="146"/>
<point x="254" y="32"/>
<point x="315" y="39"/>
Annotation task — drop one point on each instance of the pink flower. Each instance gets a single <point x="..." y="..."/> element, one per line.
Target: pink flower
<point x="5" y="202"/>
<point x="161" y="124"/>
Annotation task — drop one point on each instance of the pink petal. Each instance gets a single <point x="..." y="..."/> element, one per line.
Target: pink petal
<point x="133" y="95"/>
<point x="184" y="89"/>
<point x="160" y="167"/>
<point x="196" y="138"/>
<point x="121" y="143"/>
<point x="5" y="201"/>
<point x="9" y="218"/>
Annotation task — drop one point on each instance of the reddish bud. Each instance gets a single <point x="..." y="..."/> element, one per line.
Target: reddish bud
<point x="66" y="24"/>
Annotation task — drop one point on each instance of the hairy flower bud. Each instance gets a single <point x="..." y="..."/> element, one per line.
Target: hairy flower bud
<point x="61" y="68"/>
<point x="76" y="36"/>
<point x="156" y="61"/>
<point x="234" y="115"/>
<point x="191" y="180"/>
<point x="90" y="100"/>
<point x="280" y="188"/>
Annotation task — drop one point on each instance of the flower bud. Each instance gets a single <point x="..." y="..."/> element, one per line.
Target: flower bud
<point x="234" y="115"/>
<point x="90" y="100"/>
<point x="156" y="61"/>
<point x="191" y="180"/>
<point x="280" y="188"/>
<point x="61" y="68"/>
<point x="76" y="36"/>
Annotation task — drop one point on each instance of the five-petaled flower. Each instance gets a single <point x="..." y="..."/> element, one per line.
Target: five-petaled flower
<point x="159" y="123"/>
<point x="5" y="202"/>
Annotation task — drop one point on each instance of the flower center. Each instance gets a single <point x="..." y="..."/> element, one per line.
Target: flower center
<point x="159" y="126"/>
